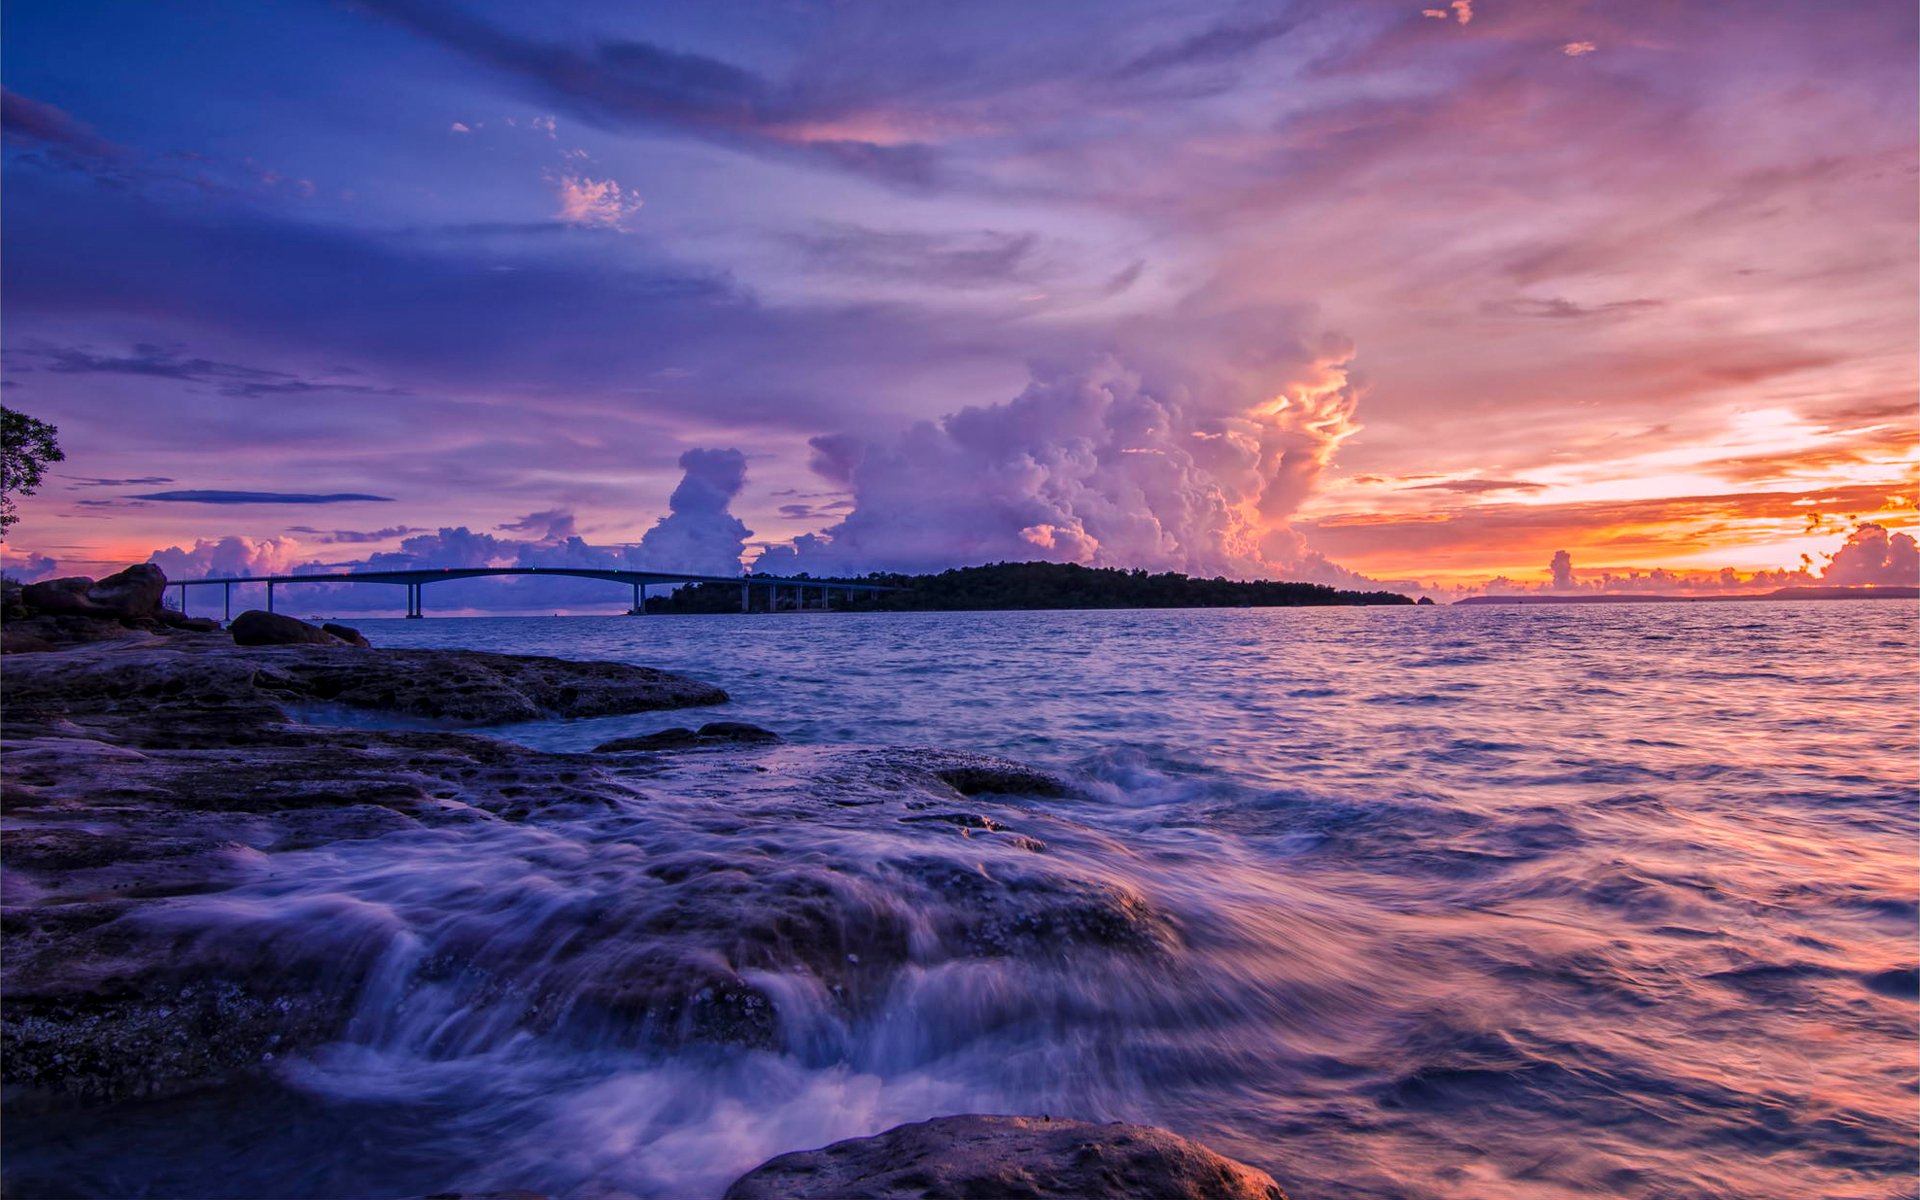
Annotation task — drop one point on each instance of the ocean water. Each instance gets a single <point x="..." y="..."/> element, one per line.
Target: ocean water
<point x="1481" y="901"/>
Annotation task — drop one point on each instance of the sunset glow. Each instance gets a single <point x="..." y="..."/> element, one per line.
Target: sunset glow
<point x="1632" y="282"/>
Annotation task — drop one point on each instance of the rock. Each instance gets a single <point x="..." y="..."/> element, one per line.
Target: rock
<point x="1002" y="1158"/>
<point x="675" y="738"/>
<point x="712" y="734"/>
<point x="1424" y="600"/>
<point x="737" y="731"/>
<point x="134" y="592"/>
<point x="21" y="641"/>
<point x="257" y="628"/>
<point x="61" y="596"/>
<point x="348" y="634"/>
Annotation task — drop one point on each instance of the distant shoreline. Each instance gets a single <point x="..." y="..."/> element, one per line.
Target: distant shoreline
<point x="1794" y="593"/>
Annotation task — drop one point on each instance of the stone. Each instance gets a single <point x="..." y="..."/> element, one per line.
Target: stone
<point x="1008" y="1158"/>
<point x="737" y="731"/>
<point x="348" y="634"/>
<point x="712" y="734"/>
<point x="134" y="592"/>
<point x="675" y="738"/>
<point x="61" y="596"/>
<point x="257" y="628"/>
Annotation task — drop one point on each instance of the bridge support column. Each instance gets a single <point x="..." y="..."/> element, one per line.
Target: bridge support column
<point x="639" y="608"/>
<point x="746" y="598"/>
<point x="183" y="599"/>
<point x="226" y="602"/>
<point x="269" y="595"/>
<point x="413" y="601"/>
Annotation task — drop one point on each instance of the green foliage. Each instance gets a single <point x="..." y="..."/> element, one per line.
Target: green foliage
<point x="1035" y="585"/>
<point x="28" y="445"/>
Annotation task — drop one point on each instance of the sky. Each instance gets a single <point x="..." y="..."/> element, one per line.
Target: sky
<point x="1484" y="296"/>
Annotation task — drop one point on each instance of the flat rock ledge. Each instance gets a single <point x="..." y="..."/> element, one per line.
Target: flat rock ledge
<point x="977" y="1157"/>
<point x="186" y="679"/>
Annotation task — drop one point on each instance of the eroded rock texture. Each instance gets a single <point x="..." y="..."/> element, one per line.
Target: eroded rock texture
<point x="1008" y="1158"/>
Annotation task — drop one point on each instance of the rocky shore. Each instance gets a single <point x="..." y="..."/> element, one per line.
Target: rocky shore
<point x="207" y="876"/>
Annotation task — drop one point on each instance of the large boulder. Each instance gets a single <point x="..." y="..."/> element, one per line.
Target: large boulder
<point x="130" y="594"/>
<point x="257" y="628"/>
<point x="953" y="1158"/>
<point x="61" y="596"/>
<point x="348" y="634"/>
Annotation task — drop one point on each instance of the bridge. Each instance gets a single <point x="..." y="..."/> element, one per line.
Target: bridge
<point x="415" y="580"/>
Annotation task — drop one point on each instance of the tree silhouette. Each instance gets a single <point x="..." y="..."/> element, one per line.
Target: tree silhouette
<point x="29" y="445"/>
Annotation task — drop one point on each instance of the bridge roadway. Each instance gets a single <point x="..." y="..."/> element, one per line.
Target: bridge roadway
<point x="415" y="581"/>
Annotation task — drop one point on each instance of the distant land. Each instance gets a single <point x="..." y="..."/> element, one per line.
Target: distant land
<point x="1895" y="592"/>
<point x="1038" y="585"/>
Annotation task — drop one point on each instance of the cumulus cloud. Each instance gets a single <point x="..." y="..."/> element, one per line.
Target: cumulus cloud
<point x="1872" y="556"/>
<point x="27" y="567"/>
<point x="600" y="202"/>
<point x="1102" y="463"/>
<point x="1562" y="571"/>
<point x="699" y="534"/>
<point x="229" y="556"/>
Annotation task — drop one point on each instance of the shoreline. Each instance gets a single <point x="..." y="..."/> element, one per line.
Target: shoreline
<point x="189" y="869"/>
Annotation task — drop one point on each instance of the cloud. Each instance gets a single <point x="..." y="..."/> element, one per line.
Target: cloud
<point x="1872" y="556"/>
<point x="601" y="202"/>
<point x="28" y="122"/>
<point x="81" y="481"/>
<point x="28" y="566"/>
<point x="1556" y="308"/>
<point x="1474" y="487"/>
<point x="228" y="556"/>
<point x="1576" y="49"/>
<point x="1462" y="11"/>
<point x="460" y="127"/>
<point x="553" y="524"/>
<point x="226" y="497"/>
<point x="353" y="537"/>
<point x="699" y="534"/>
<point x="982" y="259"/>
<point x="163" y="362"/>
<point x="1160" y="466"/>
<point x="1210" y="47"/>
<point x="1562" y="570"/>
<point x="623" y="82"/>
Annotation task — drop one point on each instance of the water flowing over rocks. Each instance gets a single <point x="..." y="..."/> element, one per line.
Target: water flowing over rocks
<point x="201" y="888"/>
<point x="1008" y="1158"/>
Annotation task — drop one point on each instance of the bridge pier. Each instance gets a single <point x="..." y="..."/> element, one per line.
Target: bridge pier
<point x="226" y="601"/>
<point x="639" y="608"/>
<point x="413" y="601"/>
<point x="746" y="597"/>
<point x="269" y="595"/>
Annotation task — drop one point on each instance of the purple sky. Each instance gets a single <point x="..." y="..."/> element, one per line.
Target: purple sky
<point x="1296" y="290"/>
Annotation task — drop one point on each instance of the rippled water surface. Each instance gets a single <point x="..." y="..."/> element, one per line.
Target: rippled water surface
<point x="1495" y="902"/>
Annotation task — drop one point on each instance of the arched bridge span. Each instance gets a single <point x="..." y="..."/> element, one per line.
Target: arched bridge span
<point x="416" y="580"/>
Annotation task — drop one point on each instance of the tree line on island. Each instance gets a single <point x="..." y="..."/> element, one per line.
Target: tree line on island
<point x="1020" y="586"/>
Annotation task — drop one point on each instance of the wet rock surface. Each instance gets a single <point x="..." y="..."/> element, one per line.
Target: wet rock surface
<point x="198" y="887"/>
<point x="1008" y="1158"/>
<point x="174" y="686"/>
<point x="711" y="735"/>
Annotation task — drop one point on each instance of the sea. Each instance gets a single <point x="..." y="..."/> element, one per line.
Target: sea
<point x="1499" y="902"/>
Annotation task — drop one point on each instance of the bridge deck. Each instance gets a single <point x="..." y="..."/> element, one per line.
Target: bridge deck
<point x="415" y="581"/>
